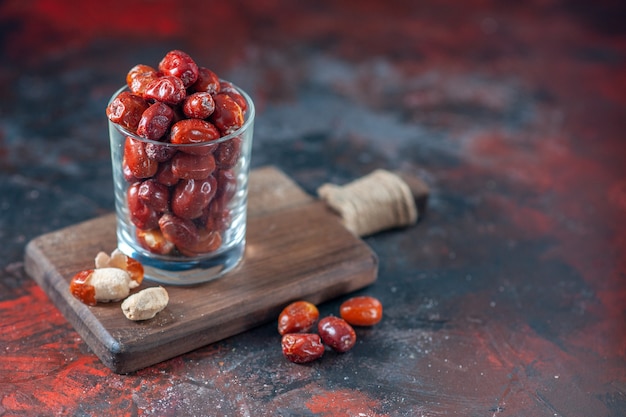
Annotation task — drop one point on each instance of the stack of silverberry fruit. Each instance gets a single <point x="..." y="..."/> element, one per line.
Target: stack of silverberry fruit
<point x="296" y="321"/>
<point x="183" y="132"/>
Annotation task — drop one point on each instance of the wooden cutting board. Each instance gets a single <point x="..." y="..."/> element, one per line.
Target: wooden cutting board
<point x="296" y="249"/>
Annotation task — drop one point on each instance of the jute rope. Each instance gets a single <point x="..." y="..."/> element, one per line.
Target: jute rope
<point x="378" y="201"/>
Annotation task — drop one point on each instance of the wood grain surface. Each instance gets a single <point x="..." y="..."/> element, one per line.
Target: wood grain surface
<point x="297" y="249"/>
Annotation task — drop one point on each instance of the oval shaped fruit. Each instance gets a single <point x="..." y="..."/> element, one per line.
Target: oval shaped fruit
<point x="361" y="311"/>
<point x="337" y="333"/>
<point x="155" y="121"/>
<point x="207" y="81"/>
<point x="215" y="218"/>
<point x="226" y="186"/>
<point x="181" y="232"/>
<point x="126" y="110"/>
<point x="179" y="64"/>
<point x="297" y="317"/>
<point x="227" y="116"/>
<point x="127" y="173"/>
<point x="302" y="347"/>
<point x="208" y="241"/>
<point x="227" y="154"/>
<point x="166" y="89"/>
<point x="155" y="195"/>
<point x="195" y="131"/>
<point x="137" y="160"/>
<point x="192" y="167"/>
<point x="230" y="90"/>
<point x="160" y="152"/>
<point x="191" y="197"/>
<point x="164" y="174"/>
<point x="199" y="105"/>
<point x="141" y="214"/>
<point x="139" y="76"/>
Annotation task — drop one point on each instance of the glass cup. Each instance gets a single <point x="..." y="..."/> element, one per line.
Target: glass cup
<point x="181" y="209"/>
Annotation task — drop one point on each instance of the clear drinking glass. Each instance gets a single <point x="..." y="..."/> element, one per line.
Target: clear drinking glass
<point x="181" y="209"/>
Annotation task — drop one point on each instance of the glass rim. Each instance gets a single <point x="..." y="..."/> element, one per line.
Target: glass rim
<point x="249" y="119"/>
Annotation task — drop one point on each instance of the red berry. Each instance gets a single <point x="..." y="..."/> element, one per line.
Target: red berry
<point x="337" y="333"/>
<point x="361" y="311"/>
<point x="297" y="317"/>
<point x="302" y="347"/>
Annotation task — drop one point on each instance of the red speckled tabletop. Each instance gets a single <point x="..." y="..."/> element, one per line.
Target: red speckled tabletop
<point x="508" y="298"/>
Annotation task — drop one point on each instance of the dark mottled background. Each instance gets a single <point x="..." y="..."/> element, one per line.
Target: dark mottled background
<point x="507" y="299"/>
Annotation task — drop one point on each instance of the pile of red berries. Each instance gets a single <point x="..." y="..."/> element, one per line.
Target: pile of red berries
<point x="296" y="321"/>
